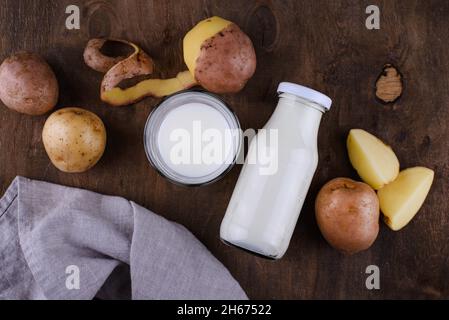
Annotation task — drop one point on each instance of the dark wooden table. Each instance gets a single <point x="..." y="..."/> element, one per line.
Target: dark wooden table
<point x="322" y="44"/>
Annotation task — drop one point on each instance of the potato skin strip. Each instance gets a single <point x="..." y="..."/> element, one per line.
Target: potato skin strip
<point x="97" y="60"/>
<point x="146" y="88"/>
<point x="138" y="63"/>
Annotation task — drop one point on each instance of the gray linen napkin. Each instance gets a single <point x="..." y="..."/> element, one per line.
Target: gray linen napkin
<point x="58" y="242"/>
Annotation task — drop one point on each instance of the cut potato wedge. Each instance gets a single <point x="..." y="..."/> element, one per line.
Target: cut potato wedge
<point x="401" y="199"/>
<point x="375" y="162"/>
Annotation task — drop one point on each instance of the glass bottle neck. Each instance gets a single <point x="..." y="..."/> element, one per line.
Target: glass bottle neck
<point x="301" y="115"/>
<point x="301" y="102"/>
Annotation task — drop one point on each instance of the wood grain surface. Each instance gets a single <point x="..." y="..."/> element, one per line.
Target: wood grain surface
<point x="317" y="43"/>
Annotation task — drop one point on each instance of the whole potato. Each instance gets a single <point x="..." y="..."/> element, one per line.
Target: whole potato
<point x="347" y="213"/>
<point x="27" y="84"/>
<point x="74" y="139"/>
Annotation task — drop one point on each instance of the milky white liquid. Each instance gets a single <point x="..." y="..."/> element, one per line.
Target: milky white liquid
<point x="206" y="129"/>
<point x="264" y="209"/>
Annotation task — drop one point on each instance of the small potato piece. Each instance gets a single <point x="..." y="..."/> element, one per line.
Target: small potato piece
<point x="27" y="84"/>
<point x="347" y="213"/>
<point x="402" y="199"/>
<point x="74" y="139"/>
<point x="375" y="162"/>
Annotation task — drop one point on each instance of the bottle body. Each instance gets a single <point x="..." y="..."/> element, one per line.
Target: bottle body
<point x="266" y="203"/>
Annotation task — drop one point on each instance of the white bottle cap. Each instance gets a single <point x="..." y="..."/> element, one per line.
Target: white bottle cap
<point x="306" y="93"/>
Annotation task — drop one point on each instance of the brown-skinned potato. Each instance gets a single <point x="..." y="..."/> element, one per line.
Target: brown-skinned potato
<point x="226" y="61"/>
<point x="28" y="84"/>
<point x="347" y="213"/>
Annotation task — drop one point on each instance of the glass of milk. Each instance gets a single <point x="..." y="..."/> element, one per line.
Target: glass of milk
<point x="192" y="138"/>
<point x="265" y="204"/>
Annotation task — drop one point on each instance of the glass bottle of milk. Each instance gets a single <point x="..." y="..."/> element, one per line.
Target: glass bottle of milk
<point x="279" y="167"/>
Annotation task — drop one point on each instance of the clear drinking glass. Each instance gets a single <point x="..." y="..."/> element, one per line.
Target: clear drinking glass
<point x="156" y="119"/>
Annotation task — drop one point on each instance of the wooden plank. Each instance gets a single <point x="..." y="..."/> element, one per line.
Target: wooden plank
<point x="318" y="43"/>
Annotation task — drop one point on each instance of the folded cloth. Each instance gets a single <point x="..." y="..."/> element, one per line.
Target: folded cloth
<point x="58" y="242"/>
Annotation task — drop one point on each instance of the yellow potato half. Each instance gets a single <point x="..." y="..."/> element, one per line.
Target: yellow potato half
<point x="74" y="139"/>
<point x="401" y="199"/>
<point x="375" y="162"/>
